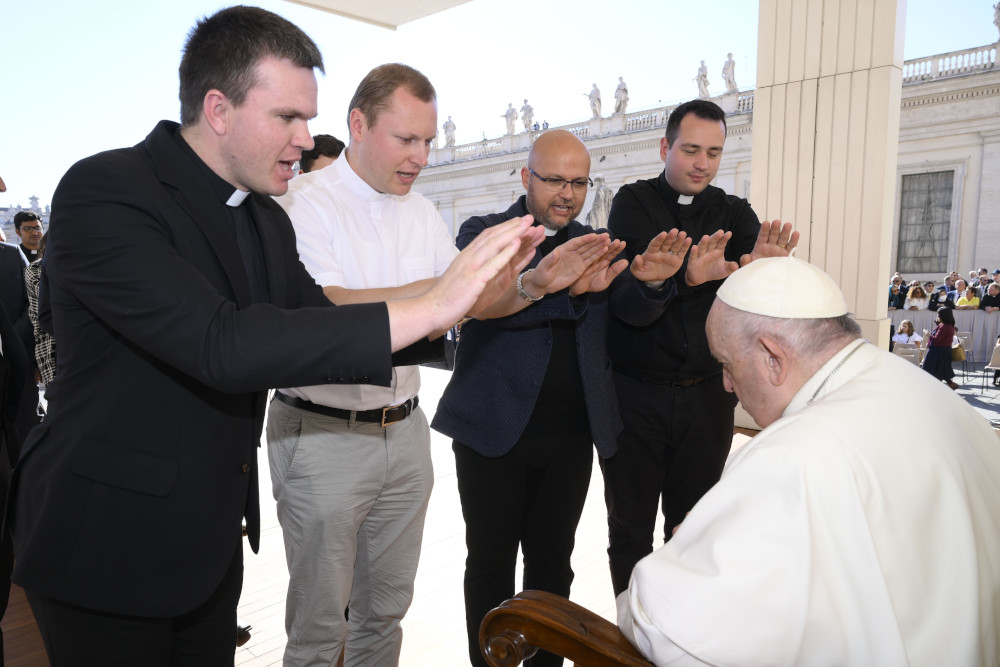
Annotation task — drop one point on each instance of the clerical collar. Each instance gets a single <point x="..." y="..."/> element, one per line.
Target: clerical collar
<point x="551" y="232"/>
<point x="237" y="198"/>
<point x="674" y="198"/>
<point x="223" y="189"/>
<point x="353" y="181"/>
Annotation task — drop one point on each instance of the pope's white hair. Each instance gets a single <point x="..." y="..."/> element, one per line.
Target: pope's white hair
<point x="802" y="337"/>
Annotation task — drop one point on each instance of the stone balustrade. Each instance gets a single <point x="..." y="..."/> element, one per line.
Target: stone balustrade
<point x="744" y="102"/>
<point x="954" y="63"/>
<point x="644" y="120"/>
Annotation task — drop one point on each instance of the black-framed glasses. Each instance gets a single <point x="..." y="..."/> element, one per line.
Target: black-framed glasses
<point x="557" y="184"/>
<point x="31" y="228"/>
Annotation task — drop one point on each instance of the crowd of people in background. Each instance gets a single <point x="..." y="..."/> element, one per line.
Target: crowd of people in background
<point x="981" y="291"/>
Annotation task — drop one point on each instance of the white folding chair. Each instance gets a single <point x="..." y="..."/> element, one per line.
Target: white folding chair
<point x="907" y="351"/>
<point x="993" y="366"/>
<point x="965" y="340"/>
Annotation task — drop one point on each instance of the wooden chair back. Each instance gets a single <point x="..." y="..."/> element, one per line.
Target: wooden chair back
<point x="534" y="620"/>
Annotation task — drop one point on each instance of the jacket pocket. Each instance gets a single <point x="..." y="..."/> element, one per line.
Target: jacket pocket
<point x="125" y="468"/>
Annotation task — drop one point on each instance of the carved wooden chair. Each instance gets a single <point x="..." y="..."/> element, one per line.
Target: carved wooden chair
<point x="534" y="620"/>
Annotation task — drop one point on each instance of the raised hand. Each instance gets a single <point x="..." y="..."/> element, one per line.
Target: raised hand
<point x="484" y="269"/>
<point x="708" y="260"/>
<point x="663" y="257"/>
<point x="600" y="274"/>
<point x="564" y="265"/>
<point x="773" y="240"/>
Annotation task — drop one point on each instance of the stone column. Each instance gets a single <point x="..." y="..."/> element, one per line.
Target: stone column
<point x="825" y="138"/>
<point x="987" y="240"/>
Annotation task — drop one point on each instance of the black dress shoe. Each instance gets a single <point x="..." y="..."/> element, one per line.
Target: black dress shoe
<point x="242" y="634"/>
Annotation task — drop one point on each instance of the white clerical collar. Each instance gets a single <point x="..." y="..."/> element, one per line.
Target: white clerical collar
<point x="684" y="200"/>
<point x="550" y="232"/>
<point x="357" y="185"/>
<point x="237" y="198"/>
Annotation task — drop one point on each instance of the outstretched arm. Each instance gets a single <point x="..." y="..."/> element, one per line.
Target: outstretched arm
<point x="561" y="268"/>
<point x="479" y="273"/>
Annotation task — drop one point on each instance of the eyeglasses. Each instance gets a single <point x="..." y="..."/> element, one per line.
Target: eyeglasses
<point x="557" y="184"/>
<point x="31" y="228"/>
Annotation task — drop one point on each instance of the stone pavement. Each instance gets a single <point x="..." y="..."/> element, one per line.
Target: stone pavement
<point x="985" y="400"/>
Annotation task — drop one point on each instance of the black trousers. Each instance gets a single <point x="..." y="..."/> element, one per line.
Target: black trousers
<point x="203" y="637"/>
<point x="672" y="451"/>
<point x="531" y="497"/>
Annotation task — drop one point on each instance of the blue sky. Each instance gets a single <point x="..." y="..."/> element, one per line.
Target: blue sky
<point x="85" y="77"/>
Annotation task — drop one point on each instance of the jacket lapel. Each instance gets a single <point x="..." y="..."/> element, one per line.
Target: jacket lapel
<point x="270" y="242"/>
<point x="204" y="209"/>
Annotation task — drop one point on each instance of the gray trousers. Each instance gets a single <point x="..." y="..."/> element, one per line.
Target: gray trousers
<point x="351" y="502"/>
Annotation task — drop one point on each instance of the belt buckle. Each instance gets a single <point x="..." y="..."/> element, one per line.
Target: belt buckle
<point x="386" y="410"/>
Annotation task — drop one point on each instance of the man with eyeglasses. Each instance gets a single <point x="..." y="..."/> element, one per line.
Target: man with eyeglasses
<point x="531" y="393"/>
<point x="28" y="227"/>
<point x="678" y="416"/>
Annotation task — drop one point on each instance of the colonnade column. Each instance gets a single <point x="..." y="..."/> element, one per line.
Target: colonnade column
<point x="825" y="138"/>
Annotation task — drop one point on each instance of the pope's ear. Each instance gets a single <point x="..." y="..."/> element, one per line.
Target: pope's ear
<point x="776" y="360"/>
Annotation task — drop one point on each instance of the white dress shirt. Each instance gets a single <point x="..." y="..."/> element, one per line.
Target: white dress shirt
<point x="351" y="236"/>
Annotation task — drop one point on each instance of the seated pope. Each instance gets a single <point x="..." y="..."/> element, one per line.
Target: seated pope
<point x="835" y="536"/>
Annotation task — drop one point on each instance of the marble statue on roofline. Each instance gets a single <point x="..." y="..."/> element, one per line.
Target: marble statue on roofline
<point x="595" y="101"/>
<point x="527" y="113"/>
<point x="510" y="116"/>
<point x="449" y="132"/>
<point x="996" y="15"/>
<point x="621" y="96"/>
<point x="702" y="80"/>
<point x="729" y="76"/>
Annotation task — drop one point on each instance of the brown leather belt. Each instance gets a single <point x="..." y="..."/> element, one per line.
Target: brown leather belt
<point x="384" y="416"/>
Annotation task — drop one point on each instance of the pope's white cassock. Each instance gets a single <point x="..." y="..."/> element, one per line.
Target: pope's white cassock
<point x="853" y="531"/>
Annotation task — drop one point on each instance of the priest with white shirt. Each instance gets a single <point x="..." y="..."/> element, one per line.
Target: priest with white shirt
<point x="835" y="536"/>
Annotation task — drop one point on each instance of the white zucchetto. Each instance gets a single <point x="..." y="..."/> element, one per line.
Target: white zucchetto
<point x="783" y="287"/>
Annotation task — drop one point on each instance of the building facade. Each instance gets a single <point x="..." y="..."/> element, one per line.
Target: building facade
<point x="947" y="207"/>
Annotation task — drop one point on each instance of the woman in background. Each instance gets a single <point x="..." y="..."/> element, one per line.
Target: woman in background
<point x="940" y="300"/>
<point x="938" y="359"/>
<point x="896" y="297"/>
<point x="916" y="299"/>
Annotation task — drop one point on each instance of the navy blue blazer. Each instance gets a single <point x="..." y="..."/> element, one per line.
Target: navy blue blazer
<point x="500" y="363"/>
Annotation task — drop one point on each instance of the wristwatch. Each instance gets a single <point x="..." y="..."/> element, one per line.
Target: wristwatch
<point x="520" y="288"/>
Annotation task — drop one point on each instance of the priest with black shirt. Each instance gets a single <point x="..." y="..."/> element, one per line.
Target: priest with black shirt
<point x="678" y="416"/>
